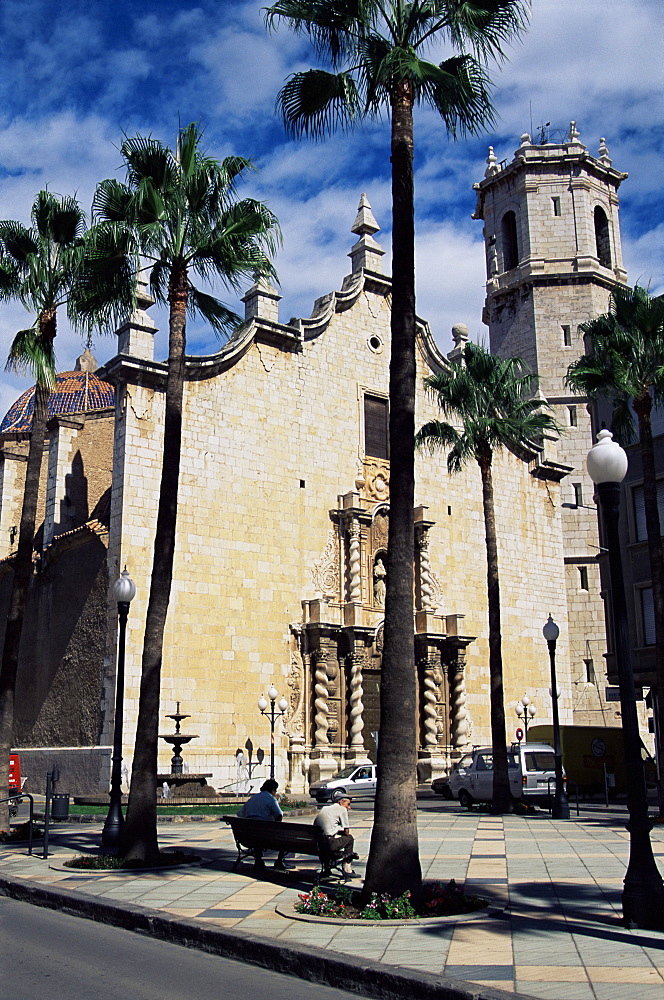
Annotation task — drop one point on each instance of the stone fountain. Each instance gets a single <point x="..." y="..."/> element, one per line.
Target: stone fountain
<point x="181" y="784"/>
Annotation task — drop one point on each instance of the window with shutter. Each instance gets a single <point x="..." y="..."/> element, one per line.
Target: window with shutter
<point x="648" y="616"/>
<point x="376" y="438"/>
<point x="640" y="511"/>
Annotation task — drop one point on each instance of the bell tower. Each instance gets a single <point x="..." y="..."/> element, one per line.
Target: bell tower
<point x="553" y="254"/>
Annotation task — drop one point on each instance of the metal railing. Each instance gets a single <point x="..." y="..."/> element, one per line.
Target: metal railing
<point x="17" y="800"/>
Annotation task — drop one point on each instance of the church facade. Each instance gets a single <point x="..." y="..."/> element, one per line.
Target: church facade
<point x="280" y="570"/>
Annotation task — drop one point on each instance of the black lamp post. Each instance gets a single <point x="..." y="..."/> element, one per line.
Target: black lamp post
<point x="124" y="591"/>
<point x="643" y="892"/>
<point x="560" y="808"/>
<point x="525" y="710"/>
<point x="272" y="715"/>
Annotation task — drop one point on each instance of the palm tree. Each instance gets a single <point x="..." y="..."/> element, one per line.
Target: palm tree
<point x="45" y="267"/>
<point x="181" y="208"/>
<point x="626" y="366"/>
<point x="374" y="51"/>
<point x="492" y="400"/>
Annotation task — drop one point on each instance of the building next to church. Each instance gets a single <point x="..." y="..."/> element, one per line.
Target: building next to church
<point x="279" y="574"/>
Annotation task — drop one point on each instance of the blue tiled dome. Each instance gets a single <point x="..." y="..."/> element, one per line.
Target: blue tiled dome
<point x="75" y="392"/>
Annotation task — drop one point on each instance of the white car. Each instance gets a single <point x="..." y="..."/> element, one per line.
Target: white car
<point x="354" y="781"/>
<point x="530" y="768"/>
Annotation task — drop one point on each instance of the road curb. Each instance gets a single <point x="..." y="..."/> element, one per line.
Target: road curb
<point x="303" y="961"/>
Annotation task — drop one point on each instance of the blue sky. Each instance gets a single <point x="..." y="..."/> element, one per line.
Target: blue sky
<point x="77" y="75"/>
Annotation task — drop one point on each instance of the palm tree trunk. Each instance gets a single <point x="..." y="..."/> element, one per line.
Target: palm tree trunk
<point x="501" y="802"/>
<point x="139" y="838"/>
<point x="20" y="588"/>
<point x="643" y="409"/>
<point x="393" y="863"/>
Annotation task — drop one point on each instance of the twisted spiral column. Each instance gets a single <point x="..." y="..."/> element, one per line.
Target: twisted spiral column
<point x="332" y="674"/>
<point x="320" y="699"/>
<point x="458" y="705"/>
<point x="426" y="588"/>
<point x="355" y="562"/>
<point x="430" y="704"/>
<point x="356" y="706"/>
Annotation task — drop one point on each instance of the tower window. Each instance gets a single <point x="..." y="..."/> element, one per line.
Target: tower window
<point x="567" y="336"/>
<point x="638" y="499"/>
<point x="590" y="671"/>
<point x="583" y="577"/>
<point x="573" y="422"/>
<point x="578" y="494"/>
<point x="555" y="201"/>
<point x="602" y="241"/>
<point x="376" y="436"/>
<point x="648" y="616"/>
<point x="509" y="241"/>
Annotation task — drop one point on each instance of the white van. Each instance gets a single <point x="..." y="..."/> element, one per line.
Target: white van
<point x="353" y="781"/>
<point x="531" y="770"/>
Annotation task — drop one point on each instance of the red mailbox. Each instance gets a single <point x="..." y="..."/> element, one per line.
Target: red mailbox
<point x="14" y="772"/>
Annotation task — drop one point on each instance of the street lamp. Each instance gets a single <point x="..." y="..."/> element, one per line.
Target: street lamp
<point x="643" y="892"/>
<point x="272" y="715"/>
<point x="560" y="808"/>
<point x="124" y="591"/>
<point x="525" y="710"/>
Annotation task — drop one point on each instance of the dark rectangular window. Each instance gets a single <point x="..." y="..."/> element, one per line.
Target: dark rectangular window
<point x="572" y="416"/>
<point x="590" y="671"/>
<point x="640" y="511"/>
<point x="583" y="577"/>
<point x="578" y="494"/>
<point x="556" y="205"/>
<point x="648" y="616"/>
<point x="376" y="437"/>
<point x="567" y="336"/>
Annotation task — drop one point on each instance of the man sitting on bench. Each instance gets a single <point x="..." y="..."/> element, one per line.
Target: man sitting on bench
<point x="264" y="805"/>
<point x="334" y="823"/>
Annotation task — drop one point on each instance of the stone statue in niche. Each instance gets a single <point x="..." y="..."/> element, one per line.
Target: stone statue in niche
<point x="379" y="581"/>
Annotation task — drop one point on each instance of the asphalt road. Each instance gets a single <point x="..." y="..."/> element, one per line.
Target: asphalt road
<point x="53" y="956"/>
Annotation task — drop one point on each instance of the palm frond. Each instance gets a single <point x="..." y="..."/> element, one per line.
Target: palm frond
<point x="222" y="319"/>
<point x="148" y="159"/>
<point x="315" y="103"/>
<point x="32" y="354"/>
<point x="17" y="242"/>
<point x="112" y="202"/>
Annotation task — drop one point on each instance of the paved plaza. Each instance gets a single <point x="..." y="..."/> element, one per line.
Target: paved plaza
<point x="560" y="936"/>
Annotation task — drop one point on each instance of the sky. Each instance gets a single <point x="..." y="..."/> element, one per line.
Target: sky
<point x="76" y="76"/>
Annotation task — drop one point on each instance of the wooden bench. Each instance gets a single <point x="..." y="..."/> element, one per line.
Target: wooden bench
<point x="294" y="838"/>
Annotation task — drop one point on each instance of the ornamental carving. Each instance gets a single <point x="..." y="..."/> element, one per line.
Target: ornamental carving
<point x="294" y="719"/>
<point x="325" y="572"/>
<point x="376" y="480"/>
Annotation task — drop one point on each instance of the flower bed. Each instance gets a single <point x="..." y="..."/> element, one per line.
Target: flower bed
<point x="439" y="900"/>
<point x="110" y="862"/>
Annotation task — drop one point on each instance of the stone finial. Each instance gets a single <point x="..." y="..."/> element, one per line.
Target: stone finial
<point x="574" y="134"/>
<point x="86" y="362"/>
<point x="604" y="152"/>
<point x="525" y="139"/>
<point x="366" y="253"/>
<point x="262" y="300"/>
<point x="143" y="297"/>
<point x="492" y="164"/>
<point x="365" y="223"/>
<point x="460" y="338"/>
<point x="460" y="334"/>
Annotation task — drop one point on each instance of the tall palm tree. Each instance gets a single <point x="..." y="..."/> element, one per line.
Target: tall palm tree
<point x="374" y="50"/>
<point x="182" y="208"/>
<point x="491" y="398"/>
<point x="625" y="365"/>
<point x="45" y="267"/>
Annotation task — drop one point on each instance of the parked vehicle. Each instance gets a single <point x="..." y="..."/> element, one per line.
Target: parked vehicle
<point x="591" y="752"/>
<point x="353" y="781"/>
<point x="441" y="786"/>
<point x="530" y="768"/>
